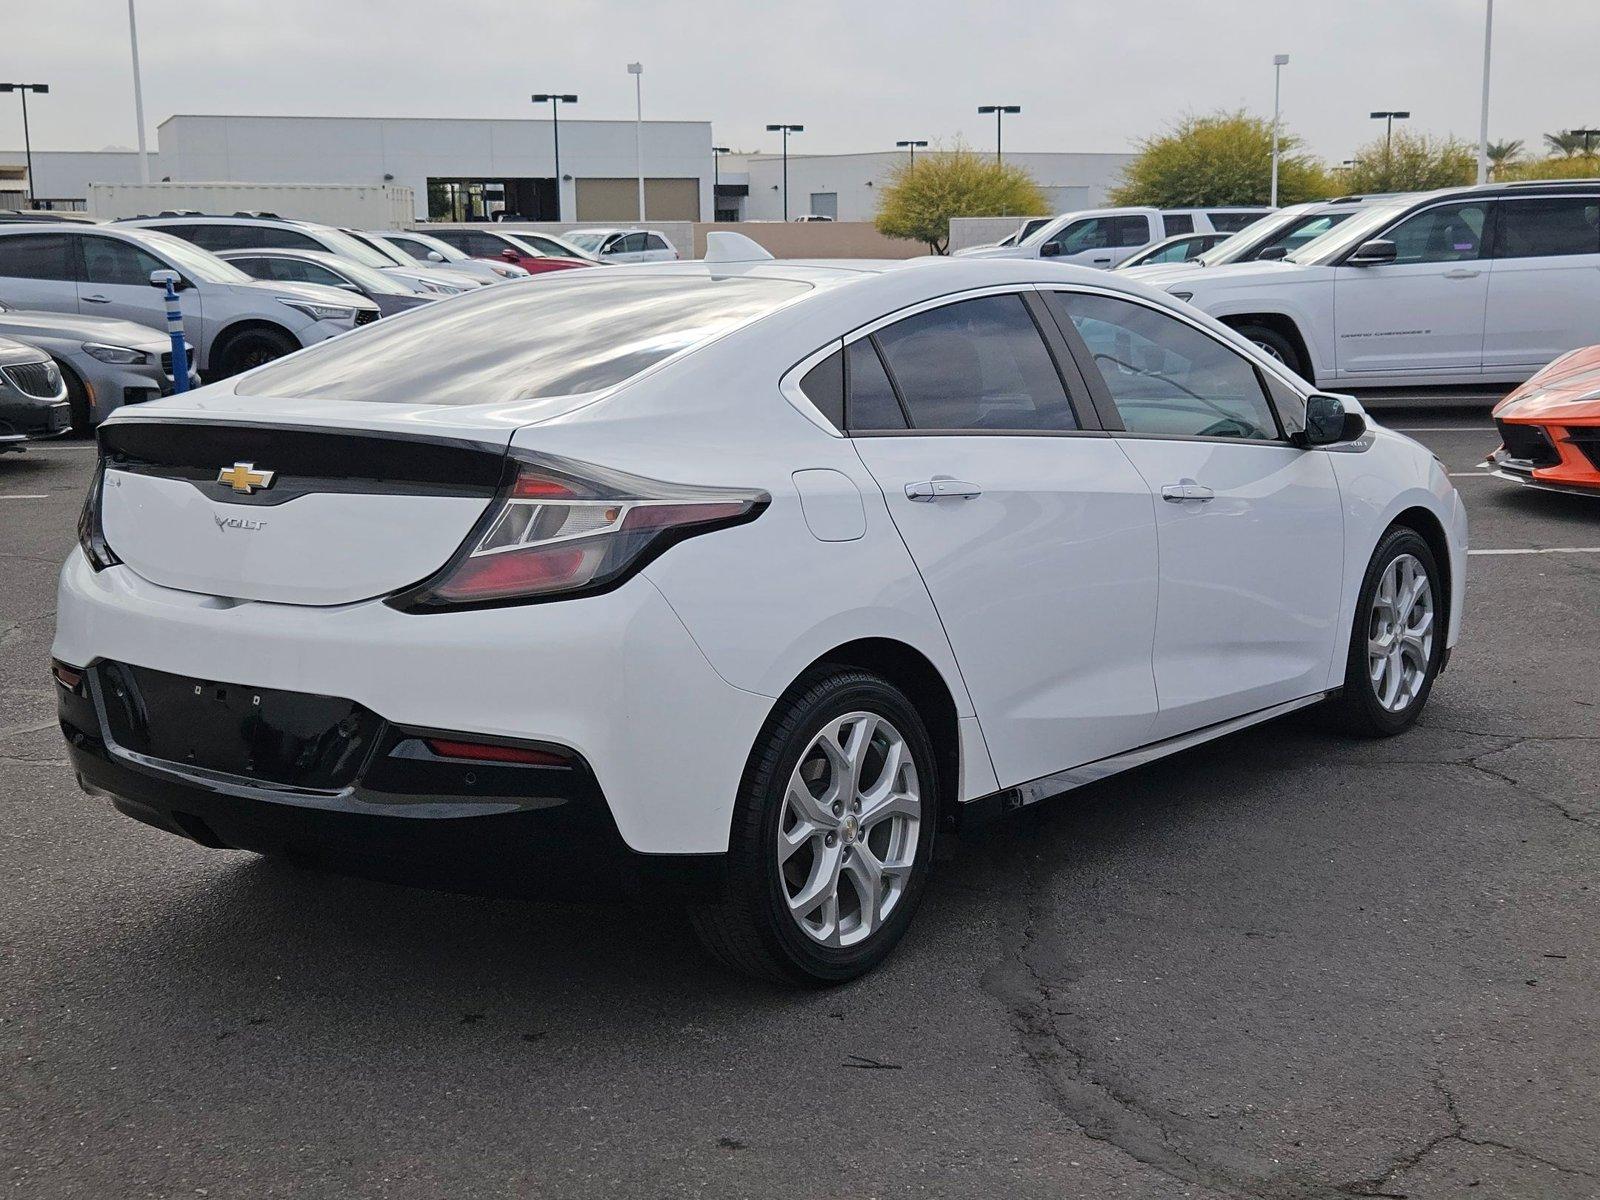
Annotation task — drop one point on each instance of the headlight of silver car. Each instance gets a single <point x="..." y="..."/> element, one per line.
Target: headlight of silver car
<point x="319" y="312"/>
<point x="126" y="355"/>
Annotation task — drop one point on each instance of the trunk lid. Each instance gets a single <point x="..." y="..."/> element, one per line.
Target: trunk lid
<point x="291" y="511"/>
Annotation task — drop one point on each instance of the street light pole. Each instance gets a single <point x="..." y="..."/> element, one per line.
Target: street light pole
<point x="27" y="140"/>
<point x="1388" y="133"/>
<point x="556" y="100"/>
<point x="1483" y="123"/>
<point x="1587" y="135"/>
<point x="786" y="130"/>
<point x="912" y="147"/>
<point x="1279" y="61"/>
<point x="637" y="71"/>
<point x="138" y="94"/>
<point x="999" y="110"/>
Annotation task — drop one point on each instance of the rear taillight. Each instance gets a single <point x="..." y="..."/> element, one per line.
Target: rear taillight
<point x="561" y="529"/>
<point x="90" y="534"/>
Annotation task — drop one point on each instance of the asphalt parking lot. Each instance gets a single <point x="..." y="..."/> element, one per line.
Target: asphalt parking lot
<point x="1283" y="965"/>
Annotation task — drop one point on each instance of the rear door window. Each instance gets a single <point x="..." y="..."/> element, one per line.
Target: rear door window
<point x="1551" y="227"/>
<point x="37" y="256"/>
<point x="1178" y="222"/>
<point x="873" y="406"/>
<point x="976" y="365"/>
<point x="823" y="385"/>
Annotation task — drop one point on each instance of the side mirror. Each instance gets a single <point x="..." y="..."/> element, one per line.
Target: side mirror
<point x="1373" y="253"/>
<point x="510" y="255"/>
<point x="1327" y="422"/>
<point x="1050" y="250"/>
<point x="1273" y="254"/>
<point x="435" y="256"/>
<point x="160" y="279"/>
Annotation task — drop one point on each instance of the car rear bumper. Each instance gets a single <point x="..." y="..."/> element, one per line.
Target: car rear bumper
<point x="615" y="680"/>
<point x="398" y="811"/>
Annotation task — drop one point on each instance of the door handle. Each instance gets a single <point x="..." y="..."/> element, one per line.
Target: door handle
<point x="1101" y="261"/>
<point x="1177" y="493"/>
<point x="1461" y="273"/>
<point x="98" y="299"/>
<point x="942" y="487"/>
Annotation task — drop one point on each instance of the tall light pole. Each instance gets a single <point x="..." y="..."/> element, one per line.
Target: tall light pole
<point x="912" y="147"/>
<point x="1388" y="133"/>
<point x="1279" y="61"/>
<point x="1483" y="123"/>
<point x="786" y="130"/>
<point x="138" y="95"/>
<point x="637" y="71"/>
<point x="27" y="141"/>
<point x="556" y="100"/>
<point x="999" y="111"/>
<point x="1586" y="135"/>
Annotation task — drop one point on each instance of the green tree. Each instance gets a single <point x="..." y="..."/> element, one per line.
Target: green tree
<point x="1221" y="158"/>
<point x="920" y="200"/>
<point x="1576" y="166"/>
<point x="1564" y="142"/>
<point x="1414" y="162"/>
<point x="1503" y="155"/>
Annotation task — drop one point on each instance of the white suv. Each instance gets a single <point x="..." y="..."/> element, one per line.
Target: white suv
<point x="623" y="245"/>
<point x="233" y="321"/>
<point x="1103" y="237"/>
<point x="1474" y="285"/>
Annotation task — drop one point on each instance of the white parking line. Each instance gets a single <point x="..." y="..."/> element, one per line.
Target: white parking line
<point x="1544" y="550"/>
<point x="1443" y="428"/>
<point x="26" y="496"/>
<point x="1482" y="473"/>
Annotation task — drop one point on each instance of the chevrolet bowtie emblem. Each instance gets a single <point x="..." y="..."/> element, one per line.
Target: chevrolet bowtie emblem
<point x="243" y="477"/>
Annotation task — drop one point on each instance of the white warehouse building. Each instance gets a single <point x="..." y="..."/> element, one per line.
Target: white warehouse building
<point x="845" y="187"/>
<point x="472" y="169"/>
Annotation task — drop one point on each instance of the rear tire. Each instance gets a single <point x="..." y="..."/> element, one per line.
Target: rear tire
<point x="832" y="836"/>
<point x="1273" y="343"/>
<point x="1397" y="640"/>
<point x="251" y="348"/>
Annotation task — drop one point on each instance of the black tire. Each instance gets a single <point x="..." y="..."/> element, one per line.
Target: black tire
<point x="751" y="930"/>
<point x="1358" y="706"/>
<point x="78" y="397"/>
<point x="250" y="348"/>
<point x="1275" y="344"/>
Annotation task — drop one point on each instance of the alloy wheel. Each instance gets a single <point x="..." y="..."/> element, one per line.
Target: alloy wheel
<point x="848" y="833"/>
<point x="1400" y="633"/>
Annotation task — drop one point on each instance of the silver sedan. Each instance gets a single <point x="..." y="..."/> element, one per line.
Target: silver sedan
<point x="104" y="363"/>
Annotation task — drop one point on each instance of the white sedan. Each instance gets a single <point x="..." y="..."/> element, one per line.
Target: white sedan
<point x="748" y="601"/>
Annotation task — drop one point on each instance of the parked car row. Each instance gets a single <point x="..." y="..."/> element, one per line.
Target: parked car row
<point x="1103" y="237"/>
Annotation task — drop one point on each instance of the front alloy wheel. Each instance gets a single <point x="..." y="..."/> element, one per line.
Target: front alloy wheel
<point x="832" y="834"/>
<point x="1396" y="644"/>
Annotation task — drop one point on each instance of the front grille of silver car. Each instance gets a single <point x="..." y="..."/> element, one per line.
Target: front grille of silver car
<point x="42" y="380"/>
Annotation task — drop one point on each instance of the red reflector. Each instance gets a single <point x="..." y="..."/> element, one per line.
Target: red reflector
<point x="67" y="677"/>
<point x="541" y="487"/>
<point x="484" y="752"/>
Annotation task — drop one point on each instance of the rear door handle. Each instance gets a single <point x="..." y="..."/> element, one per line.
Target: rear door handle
<point x="942" y="487"/>
<point x="98" y="299"/>
<point x="1177" y="493"/>
<point x="1102" y="261"/>
<point x="1461" y="273"/>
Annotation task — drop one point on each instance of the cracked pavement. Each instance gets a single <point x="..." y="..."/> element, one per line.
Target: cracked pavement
<point x="1285" y="965"/>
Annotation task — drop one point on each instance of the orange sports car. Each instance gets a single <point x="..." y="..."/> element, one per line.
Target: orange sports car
<point x="1550" y="427"/>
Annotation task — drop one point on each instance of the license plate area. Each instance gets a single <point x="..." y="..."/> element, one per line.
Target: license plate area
<point x="297" y="739"/>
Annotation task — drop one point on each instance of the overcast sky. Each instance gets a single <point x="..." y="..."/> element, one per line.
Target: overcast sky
<point x="1089" y="74"/>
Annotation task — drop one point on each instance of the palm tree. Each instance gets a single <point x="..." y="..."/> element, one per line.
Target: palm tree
<point x="1503" y="155"/>
<point x="1564" y="142"/>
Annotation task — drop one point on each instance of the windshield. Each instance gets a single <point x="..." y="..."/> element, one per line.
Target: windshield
<point x="586" y="241"/>
<point x="508" y="344"/>
<point x="369" y="278"/>
<point x="444" y="249"/>
<point x="345" y="246"/>
<point x="1349" y="233"/>
<point x="396" y="256"/>
<point x="1257" y="233"/>
<point x="198" y="264"/>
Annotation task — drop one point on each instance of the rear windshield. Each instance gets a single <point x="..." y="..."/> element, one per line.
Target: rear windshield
<point x="523" y="341"/>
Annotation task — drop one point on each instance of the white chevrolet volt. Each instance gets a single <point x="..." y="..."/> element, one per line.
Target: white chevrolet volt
<point x="734" y="581"/>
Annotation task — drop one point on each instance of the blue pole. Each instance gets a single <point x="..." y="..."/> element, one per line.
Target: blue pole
<point x="180" y="353"/>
